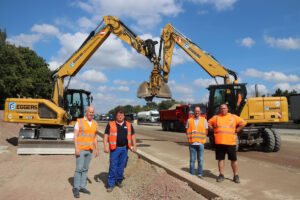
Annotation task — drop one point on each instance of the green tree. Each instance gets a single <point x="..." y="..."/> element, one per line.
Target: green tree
<point x="23" y="72"/>
<point x="166" y="104"/>
<point x="285" y="93"/>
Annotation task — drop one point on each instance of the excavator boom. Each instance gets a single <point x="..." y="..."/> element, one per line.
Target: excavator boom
<point x="157" y="86"/>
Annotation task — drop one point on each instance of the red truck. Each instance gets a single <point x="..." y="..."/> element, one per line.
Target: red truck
<point x="175" y="119"/>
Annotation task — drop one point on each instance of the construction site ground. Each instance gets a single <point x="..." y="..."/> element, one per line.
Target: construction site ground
<point x="50" y="177"/>
<point x="263" y="175"/>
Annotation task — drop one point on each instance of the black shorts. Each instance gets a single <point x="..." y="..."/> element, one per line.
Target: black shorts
<point x="221" y="150"/>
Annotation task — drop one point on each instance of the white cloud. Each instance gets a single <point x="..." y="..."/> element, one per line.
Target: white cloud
<point x="204" y="98"/>
<point x="179" y="57"/>
<point x="247" y="42"/>
<point x="124" y="82"/>
<point x="220" y="5"/>
<point x="65" y="22"/>
<point x="123" y="88"/>
<point x="105" y="102"/>
<point x="76" y="83"/>
<point x="262" y="90"/>
<point x="53" y="65"/>
<point x="86" y="23"/>
<point x="272" y="76"/>
<point x="93" y="76"/>
<point x="287" y="86"/>
<point x="112" y="54"/>
<point x="110" y="89"/>
<point x="283" y="43"/>
<point x="27" y="40"/>
<point x="146" y="13"/>
<point x="46" y="29"/>
<point x="180" y="89"/>
<point x="204" y="83"/>
<point x="106" y="89"/>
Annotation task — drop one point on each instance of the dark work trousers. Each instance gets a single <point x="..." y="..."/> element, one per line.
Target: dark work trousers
<point x="118" y="158"/>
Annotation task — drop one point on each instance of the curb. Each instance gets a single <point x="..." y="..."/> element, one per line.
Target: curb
<point x="203" y="187"/>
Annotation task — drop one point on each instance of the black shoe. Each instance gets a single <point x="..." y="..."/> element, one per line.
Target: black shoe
<point x="220" y="178"/>
<point x="85" y="191"/>
<point x="119" y="183"/>
<point x="76" y="192"/>
<point x="110" y="189"/>
<point x="236" y="179"/>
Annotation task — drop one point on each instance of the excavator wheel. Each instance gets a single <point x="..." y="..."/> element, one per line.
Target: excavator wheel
<point x="277" y="140"/>
<point x="268" y="143"/>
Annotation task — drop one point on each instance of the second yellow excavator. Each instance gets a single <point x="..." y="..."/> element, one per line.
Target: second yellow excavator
<point x="259" y="112"/>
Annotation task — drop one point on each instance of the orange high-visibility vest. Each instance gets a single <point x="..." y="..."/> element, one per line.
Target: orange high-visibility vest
<point x="239" y="100"/>
<point x="198" y="134"/>
<point x="87" y="134"/>
<point x="224" y="130"/>
<point x="112" y="139"/>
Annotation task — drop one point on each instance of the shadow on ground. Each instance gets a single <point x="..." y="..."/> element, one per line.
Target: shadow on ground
<point x="13" y="141"/>
<point x="205" y="173"/>
<point x="71" y="181"/>
<point x="101" y="177"/>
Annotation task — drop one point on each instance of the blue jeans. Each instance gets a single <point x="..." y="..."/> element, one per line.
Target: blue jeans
<point x="118" y="158"/>
<point x="196" y="149"/>
<point x="82" y="166"/>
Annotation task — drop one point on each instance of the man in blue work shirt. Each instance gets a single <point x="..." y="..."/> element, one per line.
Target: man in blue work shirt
<point x="118" y="138"/>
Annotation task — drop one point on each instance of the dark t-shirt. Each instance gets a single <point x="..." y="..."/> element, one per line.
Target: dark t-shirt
<point x="121" y="133"/>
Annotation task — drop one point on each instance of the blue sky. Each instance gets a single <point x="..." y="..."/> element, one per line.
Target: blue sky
<point x="260" y="40"/>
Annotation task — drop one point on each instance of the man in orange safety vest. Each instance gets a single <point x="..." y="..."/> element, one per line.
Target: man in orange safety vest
<point x="196" y="131"/>
<point x="86" y="142"/>
<point x="118" y="137"/>
<point x="225" y="127"/>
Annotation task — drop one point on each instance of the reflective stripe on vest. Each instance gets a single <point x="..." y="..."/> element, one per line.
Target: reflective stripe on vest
<point x="86" y="135"/>
<point x="198" y="134"/>
<point x="225" y="134"/>
<point x="112" y="139"/>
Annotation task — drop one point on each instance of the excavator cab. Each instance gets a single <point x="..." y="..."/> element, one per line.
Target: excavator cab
<point x="234" y="95"/>
<point x="76" y="102"/>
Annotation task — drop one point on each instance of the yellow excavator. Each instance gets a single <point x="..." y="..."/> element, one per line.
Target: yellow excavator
<point x="49" y="123"/>
<point x="259" y="112"/>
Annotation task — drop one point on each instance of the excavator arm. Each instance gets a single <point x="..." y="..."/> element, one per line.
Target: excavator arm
<point x="157" y="85"/>
<point x="96" y="38"/>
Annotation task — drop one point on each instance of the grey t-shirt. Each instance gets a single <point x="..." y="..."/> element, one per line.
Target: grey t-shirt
<point x="196" y="123"/>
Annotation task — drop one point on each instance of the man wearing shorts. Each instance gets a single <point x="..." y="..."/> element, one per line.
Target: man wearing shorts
<point x="225" y="127"/>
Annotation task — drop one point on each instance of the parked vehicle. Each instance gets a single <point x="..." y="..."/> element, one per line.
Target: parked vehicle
<point x="151" y="116"/>
<point x="176" y="119"/>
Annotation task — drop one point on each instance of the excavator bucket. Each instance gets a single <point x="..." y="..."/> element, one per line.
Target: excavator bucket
<point x="164" y="91"/>
<point x="144" y="91"/>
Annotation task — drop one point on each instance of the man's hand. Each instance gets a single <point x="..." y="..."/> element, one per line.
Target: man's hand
<point x="96" y="153"/>
<point x="133" y="149"/>
<point x="77" y="152"/>
<point x="210" y="126"/>
<point x="106" y="149"/>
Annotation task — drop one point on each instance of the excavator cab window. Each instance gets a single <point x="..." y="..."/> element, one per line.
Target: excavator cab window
<point x="231" y="94"/>
<point x="76" y="103"/>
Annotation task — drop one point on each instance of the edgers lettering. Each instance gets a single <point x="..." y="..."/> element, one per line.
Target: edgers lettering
<point x="76" y="59"/>
<point x="27" y="107"/>
<point x="194" y="52"/>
